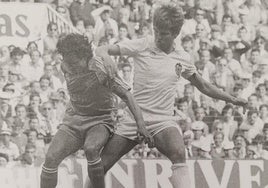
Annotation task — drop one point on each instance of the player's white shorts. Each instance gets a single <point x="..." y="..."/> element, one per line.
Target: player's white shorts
<point x="127" y="127"/>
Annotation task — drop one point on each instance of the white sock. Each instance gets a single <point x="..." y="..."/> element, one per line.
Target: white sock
<point x="180" y="176"/>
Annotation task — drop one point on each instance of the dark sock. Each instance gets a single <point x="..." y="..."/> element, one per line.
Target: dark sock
<point x="96" y="173"/>
<point x="49" y="177"/>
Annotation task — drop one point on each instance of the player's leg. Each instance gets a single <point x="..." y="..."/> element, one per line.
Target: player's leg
<point x="96" y="138"/>
<point x="170" y="143"/>
<point x="116" y="147"/>
<point x="62" y="145"/>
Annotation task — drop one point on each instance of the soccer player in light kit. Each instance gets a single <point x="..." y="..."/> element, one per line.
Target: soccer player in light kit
<point x="88" y="123"/>
<point x="157" y="66"/>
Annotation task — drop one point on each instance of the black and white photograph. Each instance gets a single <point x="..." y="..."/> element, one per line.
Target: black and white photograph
<point x="133" y="93"/>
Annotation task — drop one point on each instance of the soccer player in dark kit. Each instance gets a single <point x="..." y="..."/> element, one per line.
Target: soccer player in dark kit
<point x="92" y="83"/>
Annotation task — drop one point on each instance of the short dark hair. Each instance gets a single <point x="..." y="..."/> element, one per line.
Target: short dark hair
<point x="169" y="16"/>
<point x="16" y="51"/>
<point x="75" y="44"/>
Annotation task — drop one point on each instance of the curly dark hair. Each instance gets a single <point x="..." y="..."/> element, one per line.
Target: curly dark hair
<point x="74" y="44"/>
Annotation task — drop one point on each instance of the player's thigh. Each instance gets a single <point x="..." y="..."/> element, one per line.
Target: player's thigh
<point x="96" y="138"/>
<point x="116" y="147"/>
<point x="170" y="143"/>
<point x="63" y="144"/>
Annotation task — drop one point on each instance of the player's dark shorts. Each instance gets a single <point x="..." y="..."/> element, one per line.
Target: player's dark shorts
<point x="77" y="126"/>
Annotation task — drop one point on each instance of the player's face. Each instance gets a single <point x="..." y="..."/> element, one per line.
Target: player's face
<point x="164" y="39"/>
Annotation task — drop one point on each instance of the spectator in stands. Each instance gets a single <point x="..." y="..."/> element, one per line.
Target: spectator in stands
<point x="80" y="25"/>
<point x="6" y="145"/>
<point x="28" y="157"/>
<point x="124" y="14"/>
<point x="51" y="39"/>
<point x="253" y="125"/>
<point x="218" y="150"/>
<point x="223" y="77"/>
<point x="253" y="101"/>
<point x="230" y="126"/>
<point x="34" y="124"/>
<point x="264" y="112"/>
<point x="232" y="64"/>
<point x="189" y="96"/>
<point x="123" y="34"/>
<point x="17" y="63"/>
<point x="5" y="108"/>
<point x="127" y="73"/>
<point x="229" y="29"/>
<point x="105" y="23"/>
<point x="182" y="109"/>
<point x="256" y="78"/>
<point x="188" y="45"/>
<point x="265" y="131"/>
<point x="204" y="151"/>
<point x="64" y="12"/>
<point x="263" y="68"/>
<point x="32" y="135"/>
<point x="240" y="144"/>
<point x="259" y="44"/>
<point x="58" y="105"/>
<point x="191" y="151"/>
<point x="4" y="74"/>
<point x="199" y="113"/>
<point x="251" y="152"/>
<point x="262" y="94"/>
<point x="45" y="88"/>
<point x="31" y="46"/>
<point x="4" y="56"/>
<point x="20" y="120"/>
<point x="258" y="142"/>
<point x="81" y="9"/>
<point x="34" y="105"/>
<point x="210" y="112"/>
<point x="198" y="128"/>
<point x="35" y="68"/>
<point x="248" y="88"/>
<point x="3" y="160"/>
<point x="16" y="78"/>
<point x="200" y="33"/>
<point x="49" y="121"/>
<point x="54" y="81"/>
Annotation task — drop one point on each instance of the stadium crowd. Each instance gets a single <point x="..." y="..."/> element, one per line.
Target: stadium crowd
<point x="226" y="40"/>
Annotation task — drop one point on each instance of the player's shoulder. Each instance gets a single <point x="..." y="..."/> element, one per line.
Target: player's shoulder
<point x="183" y="55"/>
<point x="96" y="62"/>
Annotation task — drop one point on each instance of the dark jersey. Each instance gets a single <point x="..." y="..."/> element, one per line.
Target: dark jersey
<point x="91" y="90"/>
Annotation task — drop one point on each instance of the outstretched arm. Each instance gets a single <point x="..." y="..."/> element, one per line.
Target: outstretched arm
<point x="128" y="98"/>
<point x="214" y="92"/>
<point x="105" y="52"/>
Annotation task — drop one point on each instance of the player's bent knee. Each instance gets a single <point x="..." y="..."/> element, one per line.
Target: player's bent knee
<point x="92" y="152"/>
<point x="178" y="156"/>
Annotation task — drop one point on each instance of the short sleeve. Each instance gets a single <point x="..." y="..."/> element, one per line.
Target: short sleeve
<point x="118" y="82"/>
<point x="132" y="47"/>
<point x="188" y="67"/>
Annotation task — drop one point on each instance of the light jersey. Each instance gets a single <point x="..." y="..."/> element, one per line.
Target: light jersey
<point x="155" y="77"/>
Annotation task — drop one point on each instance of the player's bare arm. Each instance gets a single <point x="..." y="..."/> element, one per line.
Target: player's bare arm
<point x="128" y="98"/>
<point x="105" y="52"/>
<point x="214" y="92"/>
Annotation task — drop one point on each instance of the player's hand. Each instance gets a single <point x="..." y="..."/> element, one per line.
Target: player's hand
<point x="241" y="102"/>
<point x="144" y="135"/>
